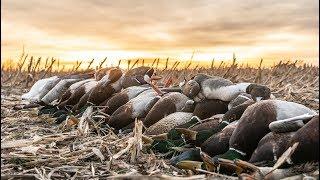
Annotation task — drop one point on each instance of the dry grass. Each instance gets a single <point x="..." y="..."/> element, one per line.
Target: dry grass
<point x="33" y="146"/>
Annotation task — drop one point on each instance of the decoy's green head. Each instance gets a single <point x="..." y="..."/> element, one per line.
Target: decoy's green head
<point x="258" y="92"/>
<point x="191" y="88"/>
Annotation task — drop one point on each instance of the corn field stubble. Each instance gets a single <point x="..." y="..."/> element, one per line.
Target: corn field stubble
<point x="33" y="146"/>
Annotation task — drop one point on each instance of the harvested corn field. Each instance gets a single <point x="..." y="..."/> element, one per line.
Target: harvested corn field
<point x="94" y="142"/>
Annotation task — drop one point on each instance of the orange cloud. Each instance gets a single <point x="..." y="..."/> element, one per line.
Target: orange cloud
<point x="73" y="29"/>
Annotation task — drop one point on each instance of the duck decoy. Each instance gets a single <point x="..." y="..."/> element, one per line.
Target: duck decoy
<point x="78" y="93"/>
<point x="236" y="112"/>
<point x="137" y="107"/>
<point x="195" y="87"/>
<point x="254" y="124"/>
<point x="123" y="97"/>
<point x="274" y="144"/>
<point x="271" y="147"/>
<point x="241" y="98"/>
<point x="40" y="89"/>
<point x="168" y="122"/>
<point x="136" y="76"/>
<point x="57" y="91"/>
<point x="308" y="139"/>
<point x="218" y="143"/>
<point x="210" y="107"/>
<point x="67" y="94"/>
<point x="169" y="103"/>
<point x="105" y="87"/>
<point x="214" y="87"/>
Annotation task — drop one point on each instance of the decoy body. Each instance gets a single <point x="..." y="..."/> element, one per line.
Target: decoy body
<point x="271" y="147"/>
<point x="105" y="87"/>
<point x="274" y="144"/>
<point x="78" y="92"/>
<point x="57" y="91"/>
<point x="213" y="87"/>
<point x="254" y="124"/>
<point x="137" y="107"/>
<point x="40" y="89"/>
<point x="241" y="98"/>
<point x="136" y="76"/>
<point x="210" y="107"/>
<point x="167" y="123"/>
<point x="208" y="123"/>
<point x="236" y="112"/>
<point x="123" y="97"/>
<point x="308" y="139"/>
<point x="108" y="85"/>
<point x="219" y="142"/>
<point x="68" y="93"/>
<point x="169" y="103"/>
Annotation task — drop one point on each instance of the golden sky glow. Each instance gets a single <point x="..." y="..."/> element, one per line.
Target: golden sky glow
<point x="82" y="29"/>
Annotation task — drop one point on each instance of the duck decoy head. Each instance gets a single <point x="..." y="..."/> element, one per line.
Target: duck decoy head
<point x="241" y="98"/>
<point x="189" y="106"/>
<point x="258" y="92"/>
<point x="100" y="73"/>
<point x="190" y="154"/>
<point x="137" y="76"/>
<point x="201" y="77"/>
<point x="191" y="88"/>
<point x="111" y="76"/>
<point x="121" y="117"/>
<point x="236" y="112"/>
<point x="183" y="83"/>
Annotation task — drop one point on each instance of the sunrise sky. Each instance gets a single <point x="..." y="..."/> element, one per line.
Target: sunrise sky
<point x="86" y="29"/>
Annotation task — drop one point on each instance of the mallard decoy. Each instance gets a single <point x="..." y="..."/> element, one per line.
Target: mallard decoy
<point x="136" y="76"/>
<point x="137" y="107"/>
<point x="167" y="123"/>
<point x="241" y="98"/>
<point x="106" y="86"/>
<point x="206" y="87"/>
<point x="66" y="95"/>
<point x="210" y="107"/>
<point x="308" y="139"/>
<point x="169" y="103"/>
<point x="123" y="97"/>
<point x="57" y="91"/>
<point x="40" y="89"/>
<point x="78" y="93"/>
<point x="254" y="124"/>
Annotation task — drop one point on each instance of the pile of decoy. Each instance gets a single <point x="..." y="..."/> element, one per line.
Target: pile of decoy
<point x="209" y="115"/>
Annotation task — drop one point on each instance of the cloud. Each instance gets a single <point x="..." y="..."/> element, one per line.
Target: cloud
<point x="149" y="25"/>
